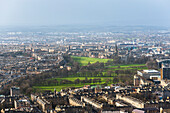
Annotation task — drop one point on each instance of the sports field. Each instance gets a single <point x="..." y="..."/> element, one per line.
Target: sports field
<point x="83" y="61"/>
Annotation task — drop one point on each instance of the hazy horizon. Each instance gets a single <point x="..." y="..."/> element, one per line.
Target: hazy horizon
<point x="84" y="12"/>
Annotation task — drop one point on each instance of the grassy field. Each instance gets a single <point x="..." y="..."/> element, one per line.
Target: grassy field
<point x="83" y="61"/>
<point x="126" y="66"/>
<point x="62" y="86"/>
<point x="103" y="79"/>
<point x="59" y="87"/>
<point x="132" y="67"/>
<point x="113" y="68"/>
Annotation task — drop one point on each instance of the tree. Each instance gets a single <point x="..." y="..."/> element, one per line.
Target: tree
<point x="115" y="80"/>
<point x="116" y="60"/>
<point x="29" y="91"/>
<point x="117" y="72"/>
<point x="86" y="79"/>
<point x="77" y="81"/>
<point x="109" y="73"/>
<point x="152" y="64"/>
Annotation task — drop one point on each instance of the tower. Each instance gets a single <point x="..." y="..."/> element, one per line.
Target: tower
<point x="116" y="49"/>
<point x="164" y="66"/>
<point x="54" y="92"/>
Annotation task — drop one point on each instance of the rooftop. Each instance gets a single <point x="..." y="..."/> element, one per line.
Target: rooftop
<point x="151" y="71"/>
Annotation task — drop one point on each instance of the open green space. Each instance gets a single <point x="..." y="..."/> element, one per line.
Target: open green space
<point x="105" y="77"/>
<point x="108" y="80"/>
<point x="126" y="66"/>
<point x="132" y="67"/>
<point x="59" y="87"/>
<point x="83" y="61"/>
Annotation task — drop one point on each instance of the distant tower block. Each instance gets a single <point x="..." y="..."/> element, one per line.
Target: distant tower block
<point x="164" y="66"/>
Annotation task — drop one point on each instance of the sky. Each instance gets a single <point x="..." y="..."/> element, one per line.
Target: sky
<point x="84" y="12"/>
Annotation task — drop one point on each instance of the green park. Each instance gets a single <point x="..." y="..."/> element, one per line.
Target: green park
<point x="109" y="72"/>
